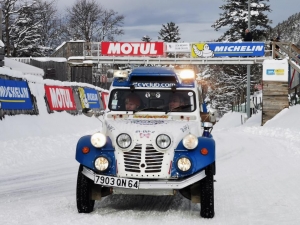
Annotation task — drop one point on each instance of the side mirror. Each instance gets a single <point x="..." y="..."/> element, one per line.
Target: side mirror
<point x="89" y="112"/>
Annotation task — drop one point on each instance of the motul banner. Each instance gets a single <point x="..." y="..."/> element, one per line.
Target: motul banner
<point x="132" y="48"/>
<point x="60" y="98"/>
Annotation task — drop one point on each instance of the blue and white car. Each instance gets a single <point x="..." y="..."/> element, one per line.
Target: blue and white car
<point x="151" y="150"/>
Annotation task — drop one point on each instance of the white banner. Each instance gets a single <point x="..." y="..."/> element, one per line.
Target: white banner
<point x="275" y="70"/>
<point x="178" y="47"/>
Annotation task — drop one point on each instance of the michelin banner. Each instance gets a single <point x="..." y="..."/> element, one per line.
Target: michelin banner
<point x="236" y="49"/>
<point x="15" y="95"/>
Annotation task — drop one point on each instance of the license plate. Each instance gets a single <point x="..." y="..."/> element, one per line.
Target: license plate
<point x="116" y="182"/>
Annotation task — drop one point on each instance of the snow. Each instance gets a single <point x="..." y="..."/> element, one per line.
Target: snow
<point x="46" y="59"/>
<point x="257" y="180"/>
<point x="23" y="67"/>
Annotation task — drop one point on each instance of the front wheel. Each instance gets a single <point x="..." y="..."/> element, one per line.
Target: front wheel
<point x="85" y="204"/>
<point x="207" y="194"/>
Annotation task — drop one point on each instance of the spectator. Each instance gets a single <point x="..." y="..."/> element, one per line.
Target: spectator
<point x="252" y="108"/>
<point x="132" y="102"/>
<point x="176" y="100"/>
<point x="248" y="35"/>
<point x="277" y="48"/>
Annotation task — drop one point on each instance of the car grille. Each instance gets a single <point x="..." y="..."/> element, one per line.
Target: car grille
<point x="146" y="158"/>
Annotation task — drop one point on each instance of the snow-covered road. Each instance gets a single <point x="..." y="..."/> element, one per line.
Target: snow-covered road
<point x="257" y="182"/>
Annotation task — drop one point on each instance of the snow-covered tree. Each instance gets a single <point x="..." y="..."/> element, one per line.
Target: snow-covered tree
<point x="169" y="33"/>
<point x="235" y="19"/>
<point x="52" y="26"/>
<point x="146" y="38"/>
<point x="88" y="20"/>
<point x="25" y="33"/>
<point x="288" y="30"/>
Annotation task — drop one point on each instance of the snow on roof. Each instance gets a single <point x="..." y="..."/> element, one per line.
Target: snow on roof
<point x="58" y="47"/>
<point x="25" y="69"/>
<point x="77" y="41"/>
<point x="76" y="57"/>
<point x="46" y="59"/>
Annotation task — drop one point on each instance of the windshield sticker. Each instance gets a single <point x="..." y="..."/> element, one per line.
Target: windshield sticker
<point x="114" y="102"/>
<point x="148" y="122"/>
<point x="151" y="116"/>
<point x="153" y="85"/>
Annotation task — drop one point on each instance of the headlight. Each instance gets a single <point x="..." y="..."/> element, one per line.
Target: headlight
<point x="98" y="140"/>
<point x="101" y="163"/>
<point x="190" y="141"/>
<point x="124" y="140"/>
<point x="163" y="141"/>
<point x="184" y="164"/>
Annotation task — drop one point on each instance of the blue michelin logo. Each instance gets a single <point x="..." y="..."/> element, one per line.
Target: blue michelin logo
<point x="270" y="72"/>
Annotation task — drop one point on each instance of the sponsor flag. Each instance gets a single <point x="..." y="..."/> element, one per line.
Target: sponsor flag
<point x="15" y="95"/>
<point x="60" y="98"/>
<point x="92" y="98"/>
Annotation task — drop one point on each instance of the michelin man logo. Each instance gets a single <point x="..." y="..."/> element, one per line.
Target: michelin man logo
<point x="205" y="52"/>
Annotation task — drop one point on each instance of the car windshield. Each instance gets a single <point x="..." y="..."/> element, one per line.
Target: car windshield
<point x="152" y="100"/>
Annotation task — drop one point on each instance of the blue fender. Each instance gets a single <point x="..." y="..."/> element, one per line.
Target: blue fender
<point x="199" y="161"/>
<point x="88" y="159"/>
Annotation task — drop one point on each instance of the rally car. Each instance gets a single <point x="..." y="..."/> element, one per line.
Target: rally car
<point x="151" y="147"/>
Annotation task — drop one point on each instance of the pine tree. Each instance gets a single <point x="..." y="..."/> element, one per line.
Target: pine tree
<point x="146" y="38"/>
<point x="169" y="33"/>
<point x="25" y="32"/>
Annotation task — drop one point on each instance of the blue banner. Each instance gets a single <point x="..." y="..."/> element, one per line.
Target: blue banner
<point x="15" y="95"/>
<point x="92" y="97"/>
<point x="232" y="49"/>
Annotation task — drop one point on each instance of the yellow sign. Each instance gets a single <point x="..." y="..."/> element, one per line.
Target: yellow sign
<point x="279" y="71"/>
<point x="201" y="50"/>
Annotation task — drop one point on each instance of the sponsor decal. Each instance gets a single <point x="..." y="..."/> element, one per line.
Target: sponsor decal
<point x="109" y="127"/>
<point x="279" y="72"/>
<point x="270" y="72"/>
<point x="275" y="71"/>
<point x="151" y="116"/>
<point x="153" y="85"/>
<point x="209" y="50"/>
<point x="132" y="48"/>
<point x="148" y="122"/>
<point x="185" y="128"/>
<point x="15" y="95"/>
<point x="60" y="98"/>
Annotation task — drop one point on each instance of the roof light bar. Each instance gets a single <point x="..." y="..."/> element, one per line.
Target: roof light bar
<point x="121" y="73"/>
<point x="187" y="74"/>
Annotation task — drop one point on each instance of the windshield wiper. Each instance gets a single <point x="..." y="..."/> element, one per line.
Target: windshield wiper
<point x="179" y="107"/>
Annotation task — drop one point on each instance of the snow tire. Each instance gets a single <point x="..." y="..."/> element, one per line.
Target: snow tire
<point x="84" y="192"/>
<point x="207" y="194"/>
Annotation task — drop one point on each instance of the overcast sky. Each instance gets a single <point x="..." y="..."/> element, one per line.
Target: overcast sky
<point x="193" y="17"/>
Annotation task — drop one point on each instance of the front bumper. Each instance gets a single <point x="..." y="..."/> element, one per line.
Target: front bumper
<point x="159" y="184"/>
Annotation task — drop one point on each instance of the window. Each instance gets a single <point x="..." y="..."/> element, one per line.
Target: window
<point x="152" y="100"/>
